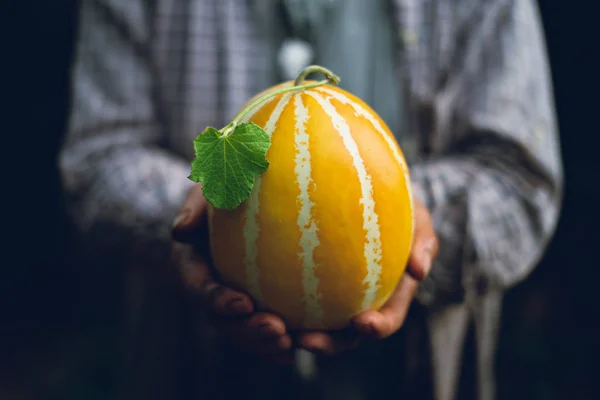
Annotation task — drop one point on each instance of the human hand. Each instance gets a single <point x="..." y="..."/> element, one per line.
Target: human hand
<point x="231" y="312"/>
<point x="387" y="320"/>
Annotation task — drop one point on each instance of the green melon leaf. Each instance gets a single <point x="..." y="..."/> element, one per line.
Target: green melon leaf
<point x="228" y="165"/>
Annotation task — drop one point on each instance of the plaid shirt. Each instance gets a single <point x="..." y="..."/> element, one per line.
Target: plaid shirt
<point x="149" y="75"/>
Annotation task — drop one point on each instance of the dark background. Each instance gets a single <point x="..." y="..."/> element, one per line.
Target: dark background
<point x="59" y="329"/>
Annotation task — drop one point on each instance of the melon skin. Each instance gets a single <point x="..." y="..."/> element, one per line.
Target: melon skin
<point x="327" y="230"/>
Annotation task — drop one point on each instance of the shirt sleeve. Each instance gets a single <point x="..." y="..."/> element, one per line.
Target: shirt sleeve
<point x="122" y="183"/>
<point x="495" y="187"/>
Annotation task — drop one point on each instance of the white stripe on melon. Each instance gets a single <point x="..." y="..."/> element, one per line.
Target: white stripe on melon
<point x="251" y="226"/>
<point x="372" y="249"/>
<point x="309" y="239"/>
<point x="362" y="112"/>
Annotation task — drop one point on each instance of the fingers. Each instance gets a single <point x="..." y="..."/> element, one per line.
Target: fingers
<point x="425" y="244"/>
<point x="276" y="349"/>
<point x="218" y="299"/>
<point x="190" y="216"/>
<point x="387" y="320"/>
<point x="329" y="343"/>
<point x="225" y="301"/>
<point x="198" y="278"/>
<point x="232" y="312"/>
<point x="371" y="324"/>
<point x="258" y="326"/>
<point x="260" y="334"/>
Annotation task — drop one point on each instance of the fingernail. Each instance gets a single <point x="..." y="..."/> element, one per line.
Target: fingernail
<point x="313" y="349"/>
<point x="366" y="329"/>
<point x="181" y="218"/>
<point x="426" y="261"/>
<point x="236" y="306"/>
<point x="266" y="329"/>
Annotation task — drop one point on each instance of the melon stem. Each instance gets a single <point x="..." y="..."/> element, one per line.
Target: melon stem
<point x="298" y="86"/>
<point x="331" y="77"/>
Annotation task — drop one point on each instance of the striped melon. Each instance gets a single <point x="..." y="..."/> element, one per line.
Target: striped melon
<point x="327" y="230"/>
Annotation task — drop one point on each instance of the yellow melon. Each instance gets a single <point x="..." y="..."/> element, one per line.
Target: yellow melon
<point x="327" y="230"/>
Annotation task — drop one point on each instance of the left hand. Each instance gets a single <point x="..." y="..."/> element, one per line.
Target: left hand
<point x="389" y="318"/>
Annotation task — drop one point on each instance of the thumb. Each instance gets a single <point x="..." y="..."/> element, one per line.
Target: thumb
<point x="187" y="223"/>
<point x="425" y="244"/>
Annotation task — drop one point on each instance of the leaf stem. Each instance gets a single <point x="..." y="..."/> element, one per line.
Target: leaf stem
<point x="331" y="77"/>
<point x="298" y="85"/>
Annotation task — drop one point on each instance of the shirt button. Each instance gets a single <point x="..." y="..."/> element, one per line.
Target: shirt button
<point x="409" y="37"/>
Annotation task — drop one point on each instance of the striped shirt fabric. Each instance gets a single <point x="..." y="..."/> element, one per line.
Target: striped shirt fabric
<point x="149" y="76"/>
<point x="481" y="132"/>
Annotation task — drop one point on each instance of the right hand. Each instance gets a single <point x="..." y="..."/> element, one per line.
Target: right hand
<point x="231" y="312"/>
